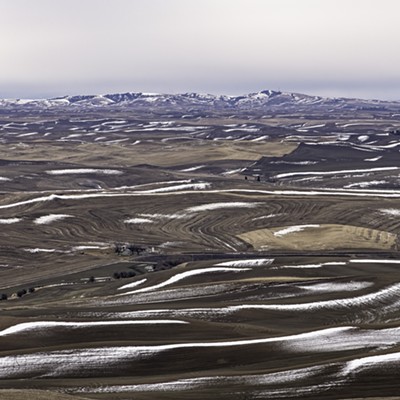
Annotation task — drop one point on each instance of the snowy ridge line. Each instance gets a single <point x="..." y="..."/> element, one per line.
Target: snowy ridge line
<point x="192" y="168"/>
<point x="376" y="260"/>
<point x="47" y="219"/>
<point x="169" y="191"/>
<point x="349" y="171"/>
<point x="183" y="275"/>
<point x="329" y="287"/>
<point x="61" y="362"/>
<point x="217" y="206"/>
<point x="390" y="211"/>
<point x="371" y="361"/>
<point x="192" y="186"/>
<point x="253" y="262"/>
<point x="357" y="339"/>
<point x="57" y="363"/>
<point x="320" y="265"/>
<point x="138" y="221"/>
<point x="8" y="221"/>
<point x="294" y="229"/>
<point x="38" y="325"/>
<point x="316" y="192"/>
<point x="40" y="250"/>
<point x="133" y="284"/>
<point x="191" y="383"/>
<point x="380" y="296"/>
<point x="84" y="171"/>
<point x="111" y="189"/>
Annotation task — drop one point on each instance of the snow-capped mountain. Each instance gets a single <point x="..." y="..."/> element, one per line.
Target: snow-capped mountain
<point x="265" y="101"/>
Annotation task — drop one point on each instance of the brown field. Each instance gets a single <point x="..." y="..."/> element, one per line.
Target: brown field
<point x="216" y="294"/>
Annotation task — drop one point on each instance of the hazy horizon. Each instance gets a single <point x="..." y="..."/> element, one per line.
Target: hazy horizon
<point x="332" y="48"/>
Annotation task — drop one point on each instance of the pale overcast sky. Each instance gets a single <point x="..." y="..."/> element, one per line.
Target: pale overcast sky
<point x="328" y="47"/>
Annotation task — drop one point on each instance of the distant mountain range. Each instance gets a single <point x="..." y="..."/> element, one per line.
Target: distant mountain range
<point x="266" y="101"/>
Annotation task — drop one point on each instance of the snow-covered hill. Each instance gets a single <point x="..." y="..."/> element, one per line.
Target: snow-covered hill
<point x="264" y="101"/>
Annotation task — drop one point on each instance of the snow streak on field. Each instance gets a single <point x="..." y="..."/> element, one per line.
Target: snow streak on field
<point x="84" y="171"/>
<point x="292" y="229"/>
<point x="45" y="326"/>
<point x="47" y="219"/>
<point x="184" y="275"/>
<point x="7" y="221"/>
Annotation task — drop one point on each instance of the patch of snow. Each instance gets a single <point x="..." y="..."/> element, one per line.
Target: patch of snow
<point x="320" y="265"/>
<point x="47" y="219"/>
<point x="133" y="284"/>
<point x="390" y="211"/>
<point x="63" y="362"/>
<point x="363" y="138"/>
<point x="370" y="362"/>
<point x="115" y="122"/>
<point x="239" y="129"/>
<point x="84" y="171"/>
<point x="187" y="274"/>
<point x="373" y="159"/>
<point x="28" y="134"/>
<point x="320" y="192"/>
<point x="247" y="263"/>
<point x="295" y="162"/>
<point x="314" y="126"/>
<point x="289" y="174"/>
<point x="39" y="250"/>
<point x="364" y="184"/>
<point x="233" y="171"/>
<point x="337" y="304"/>
<point x="45" y="325"/>
<point x="89" y="247"/>
<point x="7" y="221"/>
<point x="138" y="221"/>
<point x="192" y="168"/>
<point x="163" y="216"/>
<point x="292" y="229"/>
<point x="218" y="206"/>
<point x="192" y="186"/>
<point x="266" y="217"/>
<point x="282" y="377"/>
<point x="260" y="138"/>
<point x="335" y="286"/>
<point x="374" y="261"/>
<point x="351" y="339"/>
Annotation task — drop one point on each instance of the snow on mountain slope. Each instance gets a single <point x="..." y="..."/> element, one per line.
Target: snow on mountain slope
<point x="266" y="100"/>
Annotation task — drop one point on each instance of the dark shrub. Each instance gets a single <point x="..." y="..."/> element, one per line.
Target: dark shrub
<point x="3" y="296"/>
<point x="116" y="275"/>
<point x="21" y="292"/>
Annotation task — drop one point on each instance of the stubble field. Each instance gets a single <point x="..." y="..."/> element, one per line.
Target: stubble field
<point x="214" y="258"/>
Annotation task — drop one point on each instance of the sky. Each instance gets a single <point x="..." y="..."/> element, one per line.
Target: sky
<point x="346" y="48"/>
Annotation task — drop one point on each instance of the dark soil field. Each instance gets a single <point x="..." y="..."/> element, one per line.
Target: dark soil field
<point x="199" y="258"/>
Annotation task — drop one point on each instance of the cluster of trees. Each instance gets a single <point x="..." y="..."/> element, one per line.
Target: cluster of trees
<point x="124" y="274"/>
<point x="20" y="293"/>
<point x="23" y="292"/>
